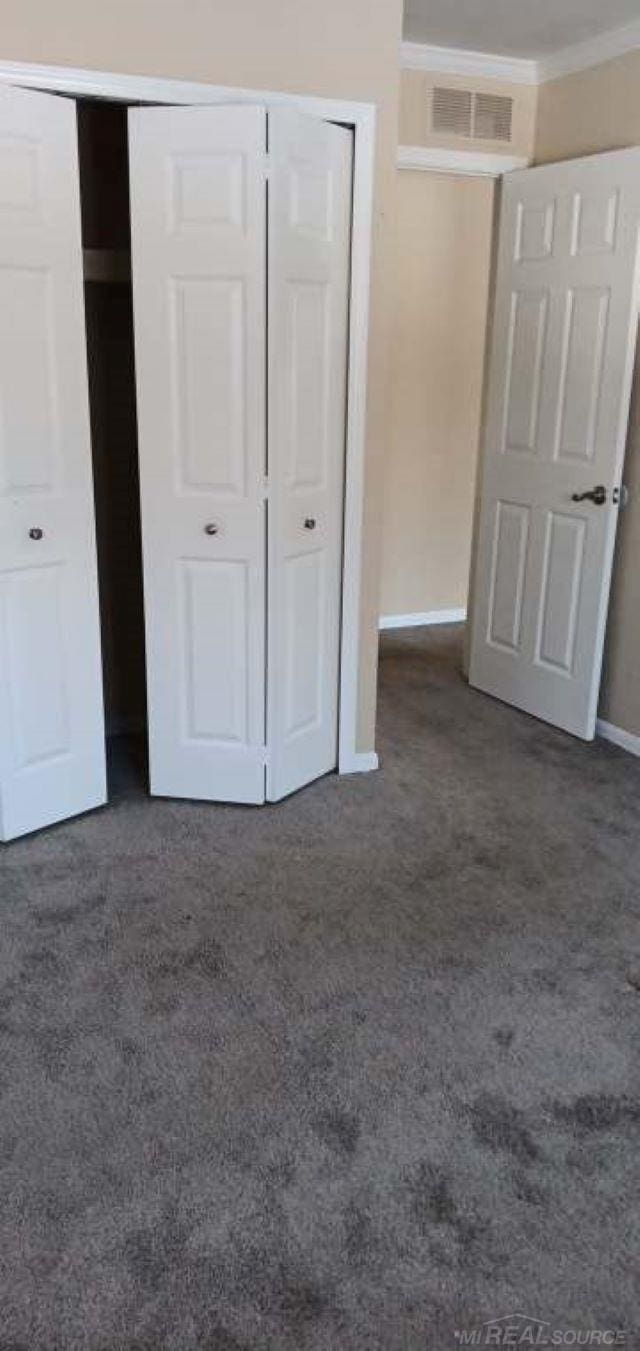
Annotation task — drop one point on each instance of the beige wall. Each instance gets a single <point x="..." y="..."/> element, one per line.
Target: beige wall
<point x="440" y="294"/>
<point x="441" y="273"/>
<point x="340" y="48"/>
<point x="599" y="109"/>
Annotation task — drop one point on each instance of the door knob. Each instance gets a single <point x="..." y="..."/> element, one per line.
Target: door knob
<point x="309" y="523"/>
<point x="597" y="495"/>
<point x="211" y="528"/>
<point x="35" y="532"/>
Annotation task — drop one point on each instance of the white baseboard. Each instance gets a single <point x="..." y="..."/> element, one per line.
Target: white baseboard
<point x="359" y="762"/>
<point x="627" y="740"/>
<point x="421" y="617"/>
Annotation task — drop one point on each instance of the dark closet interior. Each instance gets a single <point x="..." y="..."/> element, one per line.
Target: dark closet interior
<point x="104" y="192"/>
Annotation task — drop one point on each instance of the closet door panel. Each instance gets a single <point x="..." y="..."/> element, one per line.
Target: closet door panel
<point x="309" y="243"/>
<point x="198" y="215"/>
<point x="52" y="757"/>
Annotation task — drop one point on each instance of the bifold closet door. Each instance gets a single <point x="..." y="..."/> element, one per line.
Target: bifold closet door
<point x="310" y="171"/>
<point x="198" y="218"/>
<point x="52" y="756"/>
<point x="238" y="628"/>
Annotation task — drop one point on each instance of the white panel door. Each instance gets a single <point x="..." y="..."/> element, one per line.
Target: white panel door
<point x="198" y="260"/>
<point x="564" y="331"/>
<point x="52" y="758"/>
<point x="309" y="243"/>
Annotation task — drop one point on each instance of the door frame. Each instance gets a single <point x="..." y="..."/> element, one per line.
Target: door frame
<point x="361" y="118"/>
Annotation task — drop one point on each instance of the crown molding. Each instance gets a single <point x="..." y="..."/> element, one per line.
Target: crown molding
<point x="593" y="52"/>
<point x="456" y="61"/>
<point x="516" y="70"/>
<point x="467" y="163"/>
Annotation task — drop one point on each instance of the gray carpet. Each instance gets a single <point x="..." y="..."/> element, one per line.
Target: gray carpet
<point x="351" y="1072"/>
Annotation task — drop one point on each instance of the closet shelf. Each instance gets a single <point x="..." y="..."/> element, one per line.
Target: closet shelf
<point x="106" y="265"/>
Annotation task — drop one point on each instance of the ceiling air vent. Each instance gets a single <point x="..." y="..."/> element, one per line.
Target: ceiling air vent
<point x="480" y="117"/>
<point x="492" y="117"/>
<point x="451" y="111"/>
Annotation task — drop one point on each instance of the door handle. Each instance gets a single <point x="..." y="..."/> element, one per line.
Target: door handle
<point x="597" y="495"/>
<point x="309" y="523"/>
<point x="211" y="528"/>
<point x="35" y="532"/>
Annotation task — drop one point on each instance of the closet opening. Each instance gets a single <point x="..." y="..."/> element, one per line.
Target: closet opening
<point x="104" y="194"/>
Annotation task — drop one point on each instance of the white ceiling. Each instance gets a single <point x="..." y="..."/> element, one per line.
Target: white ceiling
<point x="526" y="28"/>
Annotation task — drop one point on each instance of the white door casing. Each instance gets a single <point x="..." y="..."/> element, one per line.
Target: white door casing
<point x="52" y="757"/>
<point x="198" y="266"/>
<point x="310" y="191"/>
<point x="564" y="333"/>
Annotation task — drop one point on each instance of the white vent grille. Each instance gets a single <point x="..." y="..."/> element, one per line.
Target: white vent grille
<point x="471" y="116"/>
<point x="451" y="111"/>
<point x="492" y="117"/>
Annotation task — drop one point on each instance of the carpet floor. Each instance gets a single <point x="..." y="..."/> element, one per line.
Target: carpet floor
<point x="356" y="1071"/>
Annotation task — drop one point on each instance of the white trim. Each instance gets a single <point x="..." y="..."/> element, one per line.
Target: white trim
<point x="627" y="740"/>
<point x="123" y="88"/>
<point x="360" y="762"/>
<point x="469" y="163"/>
<point x="362" y="117"/>
<point x="592" y="52"/>
<point x="362" y="226"/>
<point x="457" y="61"/>
<point x="420" y="618"/>
<point x="521" y="70"/>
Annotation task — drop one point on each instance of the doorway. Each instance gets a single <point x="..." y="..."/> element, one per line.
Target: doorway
<point x="239" y="522"/>
<point x="104" y="197"/>
<point x="423" y="484"/>
<point x="113" y="414"/>
<point x="361" y="119"/>
<point x="441" y="295"/>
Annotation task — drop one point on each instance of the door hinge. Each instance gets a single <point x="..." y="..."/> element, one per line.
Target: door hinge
<point x="621" y="495"/>
<point x="265" y="489"/>
<point x="267" y="164"/>
<point x="265" y="755"/>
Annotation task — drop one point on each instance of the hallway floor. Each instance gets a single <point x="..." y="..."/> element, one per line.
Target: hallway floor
<point x="351" y="1072"/>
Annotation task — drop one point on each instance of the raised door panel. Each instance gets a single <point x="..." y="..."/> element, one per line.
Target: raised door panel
<point x="214" y="635"/>
<point x="585" y="323"/>
<point x="38" y="690"/>
<point x="29" y="414"/>
<point x="560" y="592"/>
<point x="535" y="230"/>
<point x="308" y="426"/>
<point x="21" y="184"/>
<point x="594" y="222"/>
<point x="525" y="353"/>
<point x="305" y="691"/>
<point x="510" y="547"/>
<point x="207" y="190"/>
<point x="208" y="367"/>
